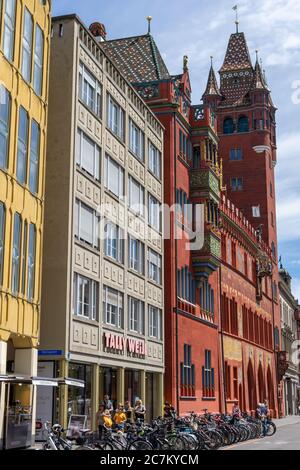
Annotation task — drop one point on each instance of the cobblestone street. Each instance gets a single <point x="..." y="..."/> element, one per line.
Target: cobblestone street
<point x="287" y="437"/>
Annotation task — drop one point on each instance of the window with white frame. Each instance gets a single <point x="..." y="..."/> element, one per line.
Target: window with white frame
<point x="154" y="160"/>
<point x="88" y="154"/>
<point x="135" y="315"/>
<point x="16" y="254"/>
<point x="136" y="253"/>
<point x="38" y="61"/>
<point x="31" y="262"/>
<point x="115" y="117"/>
<point x="113" y="301"/>
<point x="87" y="224"/>
<point x="114" y="242"/>
<point x="154" y="216"/>
<point x="34" y="156"/>
<point x="5" y="106"/>
<point x="256" y="211"/>
<point x="114" y="177"/>
<point x="86" y="297"/>
<point x="155" y="322"/>
<point x="136" y="140"/>
<point x="8" y="37"/>
<point x="154" y="266"/>
<point x="136" y="196"/>
<point x="22" y="146"/>
<point x="27" y="45"/>
<point x="2" y="235"/>
<point x="90" y="90"/>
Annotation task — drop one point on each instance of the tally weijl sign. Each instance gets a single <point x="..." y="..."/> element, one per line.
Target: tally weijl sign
<point x="116" y="343"/>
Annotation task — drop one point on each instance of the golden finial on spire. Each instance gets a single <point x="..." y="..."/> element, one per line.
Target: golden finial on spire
<point x="235" y="8"/>
<point x="149" y="19"/>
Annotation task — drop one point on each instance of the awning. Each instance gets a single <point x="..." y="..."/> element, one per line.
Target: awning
<point x="26" y="379"/>
<point x="71" y="382"/>
<point x="43" y="381"/>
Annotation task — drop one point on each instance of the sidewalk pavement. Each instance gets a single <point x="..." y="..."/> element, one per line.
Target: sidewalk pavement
<point x="288" y="420"/>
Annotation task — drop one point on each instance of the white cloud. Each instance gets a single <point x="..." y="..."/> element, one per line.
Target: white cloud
<point x="296" y="287"/>
<point x="292" y="41"/>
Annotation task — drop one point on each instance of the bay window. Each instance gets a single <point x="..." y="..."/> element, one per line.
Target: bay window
<point x="86" y="297"/>
<point x="135" y="315"/>
<point x="38" y="61"/>
<point x="31" y="262"/>
<point x="27" y="46"/>
<point x="22" y="146"/>
<point x="2" y="235"/>
<point x="34" y="157"/>
<point x="16" y="253"/>
<point x="87" y="224"/>
<point x="88" y="155"/>
<point x="112" y="307"/>
<point x="9" y="28"/>
<point x="5" y="105"/>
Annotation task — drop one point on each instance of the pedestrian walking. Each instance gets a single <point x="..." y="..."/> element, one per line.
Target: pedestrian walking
<point x="107" y="403"/>
<point x="120" y="418"/>
<point x="139" y="411"/>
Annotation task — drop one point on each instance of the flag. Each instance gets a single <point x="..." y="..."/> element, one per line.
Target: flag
<point x="235" y="7"/>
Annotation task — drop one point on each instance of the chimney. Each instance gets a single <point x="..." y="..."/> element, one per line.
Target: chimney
<point x="98" y="31"/>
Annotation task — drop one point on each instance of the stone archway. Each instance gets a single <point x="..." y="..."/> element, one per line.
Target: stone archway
<point x="261" y="384"/>
<point x="270" y="386"/>
<point x="251" y="387"/>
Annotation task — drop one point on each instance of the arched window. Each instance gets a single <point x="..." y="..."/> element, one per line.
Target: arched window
<point x="228" y="126"/>
<point x="243" y="124"/>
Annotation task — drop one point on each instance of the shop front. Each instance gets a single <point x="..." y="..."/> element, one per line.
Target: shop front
<point x="19" y="400"/>
<point x="50" y="400"/>
<point x="131" y="369"/>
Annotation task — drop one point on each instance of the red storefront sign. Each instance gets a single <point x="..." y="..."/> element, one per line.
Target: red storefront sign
<point x="120" y="343"/>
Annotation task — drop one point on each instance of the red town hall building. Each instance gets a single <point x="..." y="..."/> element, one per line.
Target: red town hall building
<point x="222" y="318"/>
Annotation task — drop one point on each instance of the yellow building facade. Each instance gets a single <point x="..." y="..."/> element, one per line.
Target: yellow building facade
<point x="25" y="29"/>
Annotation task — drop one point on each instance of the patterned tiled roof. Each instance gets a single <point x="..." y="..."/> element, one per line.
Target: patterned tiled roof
<point x="212" y="87"/>
<point x="138" y="58"/>
<point x="237" y="55"/>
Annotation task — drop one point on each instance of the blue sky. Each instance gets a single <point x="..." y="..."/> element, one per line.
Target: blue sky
<point x="201" y="28"/>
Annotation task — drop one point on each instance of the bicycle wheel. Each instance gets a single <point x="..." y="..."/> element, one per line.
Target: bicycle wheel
<point x="271" y="428"/>
<point x="176" y="443"/>
<point x="163" y="444"/>
<point x="140" y="444"/>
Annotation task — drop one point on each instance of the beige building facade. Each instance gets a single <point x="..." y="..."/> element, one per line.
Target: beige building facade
<point x="103" y="250"/>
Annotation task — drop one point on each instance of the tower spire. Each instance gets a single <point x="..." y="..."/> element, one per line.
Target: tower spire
<point x="235" y="8"/>
<point x="212" y="87"/>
